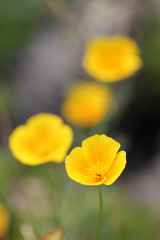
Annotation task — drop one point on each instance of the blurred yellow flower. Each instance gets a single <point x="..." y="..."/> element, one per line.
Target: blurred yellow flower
<point x="44" y="138"/>
<point x="112" y="58"/>
<point x="96" y="162"/>
<point x="4" y="220"/>
<point x="87" y="104"/>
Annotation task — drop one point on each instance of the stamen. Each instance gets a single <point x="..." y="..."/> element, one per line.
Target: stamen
<point x="98" y="175"/>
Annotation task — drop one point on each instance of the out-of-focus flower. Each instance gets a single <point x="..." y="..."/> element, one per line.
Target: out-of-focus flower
<point x="4" y="220"/>
<point x="96" y="162"/>
<point x="44" y="138"/>
<point x="84" y="239"/>
<point x="87" y="104"/>
<point x="55" y="235"/>
<point x="112" y="58"/>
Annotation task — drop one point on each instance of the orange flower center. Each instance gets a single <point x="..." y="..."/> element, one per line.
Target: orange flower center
<point x="98" y="175"/>
<point x="97" y="170"/>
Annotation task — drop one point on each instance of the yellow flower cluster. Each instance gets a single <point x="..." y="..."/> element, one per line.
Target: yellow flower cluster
<point x="87" y="104"/>
<point x="4" y="220"/>
<point x="96" y="162"/>
<point x="112" y="58"/>
<point x="43" y="138"/>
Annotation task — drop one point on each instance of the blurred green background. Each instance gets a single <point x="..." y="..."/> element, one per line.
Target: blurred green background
<point x="41" y="46"/>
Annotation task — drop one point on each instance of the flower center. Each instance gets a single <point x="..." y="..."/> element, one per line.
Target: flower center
<point x="98" y="175"/>
<point x="97" y="170"/>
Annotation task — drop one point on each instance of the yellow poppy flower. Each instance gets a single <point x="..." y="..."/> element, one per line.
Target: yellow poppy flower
<point x="4" y="220"/>
<point x="43" y="138"/>
<point x="112" y="58"/>
<point x="96" y="162"/>
<point x="87" y="104"/>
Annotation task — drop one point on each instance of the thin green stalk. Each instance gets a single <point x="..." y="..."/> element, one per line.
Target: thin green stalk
<point x="87" y="132"/>
<point x="100" y="214"/>
<point x="53" y="181"/>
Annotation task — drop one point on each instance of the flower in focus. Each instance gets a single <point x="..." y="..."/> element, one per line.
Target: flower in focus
<point x="4" y="220"/>
<point x="44" y="138"/>
<point x="87" y="104"/>
<point x="96" y="162"/>
<point x="112" y="58"/>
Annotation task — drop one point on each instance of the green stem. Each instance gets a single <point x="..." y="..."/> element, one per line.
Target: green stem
<point x="100" y="214"/>
<point x="87" y="132"/>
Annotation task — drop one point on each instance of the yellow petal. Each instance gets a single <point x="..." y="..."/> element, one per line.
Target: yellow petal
<point x="64" y="140"/>
<point x="78" y="170"/>
<point x="100" y="148"/>
<point x="43" y="138"/>
<point x="44" y="123"/>
<point x="116" y="169"/>
<point x="21" y="144"/>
